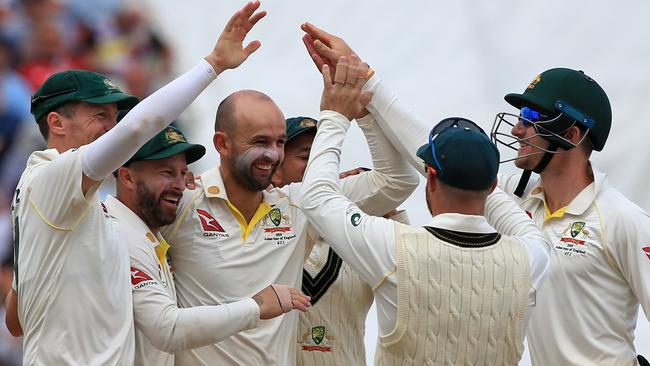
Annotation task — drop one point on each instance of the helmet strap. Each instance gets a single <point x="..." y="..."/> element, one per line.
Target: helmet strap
<point x="525" y="176"/>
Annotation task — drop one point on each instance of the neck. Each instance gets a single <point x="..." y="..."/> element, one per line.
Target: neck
<point x="244" y="199"/>
<point x="460" y="205"/>
<point x="564" y="179"/>
<point x="60" y="146"/>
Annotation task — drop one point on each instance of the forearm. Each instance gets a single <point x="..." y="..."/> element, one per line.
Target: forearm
<point x="172" y="329"/>
<point x="390" y="181"/>
<point x="114" y="148"/>
<point x="364" y="249"/>
<point x="401" y="125"/>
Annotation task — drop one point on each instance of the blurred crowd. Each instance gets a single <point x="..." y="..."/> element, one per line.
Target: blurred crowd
<point x="39" y="38"/>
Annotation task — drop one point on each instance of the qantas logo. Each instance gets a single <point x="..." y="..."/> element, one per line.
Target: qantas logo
<point x="208" y="222"/>
<point x="138" y="276"/>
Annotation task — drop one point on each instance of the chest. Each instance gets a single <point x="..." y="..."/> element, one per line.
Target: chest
<point x="579" y="245"/>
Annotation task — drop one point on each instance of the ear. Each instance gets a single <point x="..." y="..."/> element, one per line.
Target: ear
<point x="125" y="178"/>
<point x="220" y="142"/>
<point x="494" y="185"/>
<point x="574" y="135"/>
<point x="56" y="124"/>
<point x="432" y="179"/>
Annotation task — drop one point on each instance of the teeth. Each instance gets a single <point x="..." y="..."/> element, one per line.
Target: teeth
<point x="171" y="199"/>
<point x="264" y="166"/>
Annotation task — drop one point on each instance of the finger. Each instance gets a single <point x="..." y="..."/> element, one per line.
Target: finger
<point x="309" y="44"/>
<point x="351" y="77"/>
<point x="327" y="77"/>
<point x="234" y="19"/>
<point x="254" y="19"/>
<point x="365" y="98"/>
<point x="250" y="8"/>
<point x="318" y="61"/>
<point x="341" y="71"/>
<point x="317" y="33"/>
<point x="325" y="50"/>
<point x="252" y="47"/>
<point x="189" y="180"/>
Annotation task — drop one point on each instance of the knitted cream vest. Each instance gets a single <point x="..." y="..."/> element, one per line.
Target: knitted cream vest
<point x="457" y="304"/>
<point x="332" y="331"/>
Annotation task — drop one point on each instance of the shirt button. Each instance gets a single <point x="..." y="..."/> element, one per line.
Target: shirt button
<point x="213" y="190"/>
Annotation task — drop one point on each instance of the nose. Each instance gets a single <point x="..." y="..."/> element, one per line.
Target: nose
<point x="178" y="183"/>
<point x="519" y="129"/>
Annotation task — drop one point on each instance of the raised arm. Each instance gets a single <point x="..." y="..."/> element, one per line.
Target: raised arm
<point x="365" y="242"/>
<point x="114" y="148"/>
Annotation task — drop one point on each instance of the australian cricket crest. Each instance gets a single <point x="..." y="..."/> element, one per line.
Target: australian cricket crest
<point x="317" y="339"/>
<point x="275" y="215"/>
<point x="576" y="228"/>
<point x="574" y="239"/>
<point x="277" y="227"/>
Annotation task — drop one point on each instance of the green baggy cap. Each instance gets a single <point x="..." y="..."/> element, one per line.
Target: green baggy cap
<point x="167" y="143"/>
<point x="299" y="125"/>
<point x="78" y="86"/>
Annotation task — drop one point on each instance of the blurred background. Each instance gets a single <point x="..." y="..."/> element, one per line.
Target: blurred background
<point x="442" y="58"/>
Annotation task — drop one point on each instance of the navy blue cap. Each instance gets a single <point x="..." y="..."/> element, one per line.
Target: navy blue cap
<point x="468" y="159"/>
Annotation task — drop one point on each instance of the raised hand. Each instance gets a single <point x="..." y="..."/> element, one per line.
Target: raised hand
<point x="229" y="51"/>
<point x="344" y="92"/>
<point x="324" y="48"/>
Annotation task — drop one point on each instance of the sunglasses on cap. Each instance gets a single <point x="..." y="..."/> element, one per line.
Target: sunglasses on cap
<point x="446" y="124"/>
<point x="41" y="98"/>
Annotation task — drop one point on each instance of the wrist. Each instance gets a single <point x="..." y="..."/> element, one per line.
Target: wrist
<point x="216" y="63"/>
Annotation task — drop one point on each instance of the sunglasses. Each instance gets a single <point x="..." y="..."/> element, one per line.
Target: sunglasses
<point x="41" y="98"/>
<point x="528" y="116"/>
<point x="446" y="124"/>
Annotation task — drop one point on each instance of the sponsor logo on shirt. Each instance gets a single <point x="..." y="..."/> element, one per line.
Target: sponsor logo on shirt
<point x="140" y="279"/>
<point x="211" y="227"/>
<point x="355" y="219"/>
<point x="317" y="339"/>
<point x="646" y="250"/>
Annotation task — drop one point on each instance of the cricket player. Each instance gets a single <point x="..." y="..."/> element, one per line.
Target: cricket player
<point x="332" y="332"/>
<point x="149" y="187"/>
<point x="599" y="252"/>
<point x="456" y="291"/>
<point x="73" y="291"/>
<point x="233" y="237"/>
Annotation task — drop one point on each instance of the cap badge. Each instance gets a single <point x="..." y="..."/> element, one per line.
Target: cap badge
<point x="172" y="136"/>
<point x="535" y="81"/>
<point x="307" y="123"/>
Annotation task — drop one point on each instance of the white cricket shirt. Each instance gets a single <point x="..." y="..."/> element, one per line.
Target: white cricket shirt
<point x="220" y="258"/>
<point x="74" y="292"/>
<point x="161" y="328"/>
<point x="600" y="273"/>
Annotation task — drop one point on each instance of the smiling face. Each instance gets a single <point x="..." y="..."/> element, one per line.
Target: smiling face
<point x="529" y="154"/>
<point x="159" y="186"/>
<point x="253" y="148"/>
<point x="296" y="156"/>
